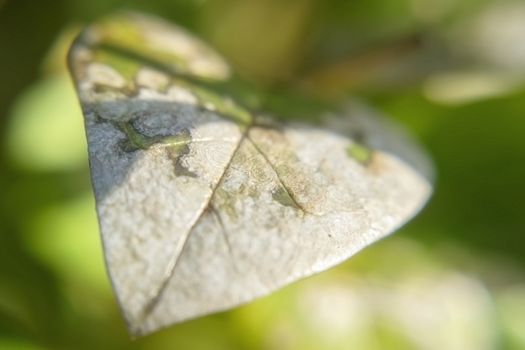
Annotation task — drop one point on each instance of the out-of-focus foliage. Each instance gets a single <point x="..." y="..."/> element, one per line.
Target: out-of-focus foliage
<point x="452" y="71"/>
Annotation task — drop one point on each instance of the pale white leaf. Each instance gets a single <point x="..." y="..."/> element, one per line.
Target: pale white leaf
<point x="203" y="204"/>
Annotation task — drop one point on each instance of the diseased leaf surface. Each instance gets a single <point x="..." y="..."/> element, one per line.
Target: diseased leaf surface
<point x="203" y="204"/>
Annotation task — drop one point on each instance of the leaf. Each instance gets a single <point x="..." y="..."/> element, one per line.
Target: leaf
<point x="204" y="204"/>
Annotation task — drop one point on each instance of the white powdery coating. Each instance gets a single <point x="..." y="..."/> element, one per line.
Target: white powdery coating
<point x="145" y="210"/>
<point x="221" y="216"/>
<point x="151" y="79"/>
<point x="145" y="215"/>
<point x="98" y="73"/>
<point x="259" y="244"/>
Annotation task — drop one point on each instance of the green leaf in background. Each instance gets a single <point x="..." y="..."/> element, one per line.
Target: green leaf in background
<point x="46" y="130"/>
<point x="451" y="71"/>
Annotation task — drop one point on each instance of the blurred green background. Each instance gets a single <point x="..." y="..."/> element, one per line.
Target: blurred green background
<point x="451" y="71"/>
